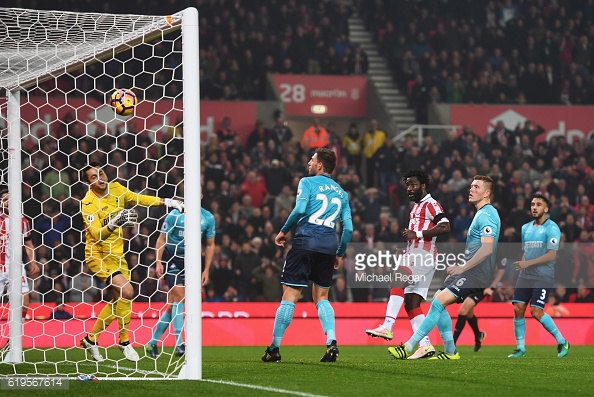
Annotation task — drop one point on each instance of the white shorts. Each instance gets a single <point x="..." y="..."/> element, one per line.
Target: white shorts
<point x="4" y="281"/>
<point x="420" y="268"/>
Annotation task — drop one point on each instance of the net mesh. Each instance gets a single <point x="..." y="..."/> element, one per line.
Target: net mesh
<point x="35" y="44"/>
<point x="67" y="65"/>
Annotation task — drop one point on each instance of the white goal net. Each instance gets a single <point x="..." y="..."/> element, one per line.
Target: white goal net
<point x="58" y="71"/>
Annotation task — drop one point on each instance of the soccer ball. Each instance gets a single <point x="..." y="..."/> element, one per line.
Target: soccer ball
<point x="123" y="101"/>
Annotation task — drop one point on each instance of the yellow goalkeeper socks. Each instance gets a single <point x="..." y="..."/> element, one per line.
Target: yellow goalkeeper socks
<point x="123" y="311"/>
<point x="106" y="316"/>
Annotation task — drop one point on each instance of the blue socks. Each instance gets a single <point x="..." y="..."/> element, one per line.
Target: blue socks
<point x="548" y="323"/>
<point x="427" y="325"/>
<point x="326" y="314"/>
<point x="520" y="331"/>
<point x="284" y="315"/>
<point x="162" y="326"/>
<point x="177" y="312"/>
<point x="444" y="325"/>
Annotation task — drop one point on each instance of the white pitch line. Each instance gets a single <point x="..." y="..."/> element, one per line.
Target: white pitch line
<point x="264" y="388"/>
<point x="222" y="382"/>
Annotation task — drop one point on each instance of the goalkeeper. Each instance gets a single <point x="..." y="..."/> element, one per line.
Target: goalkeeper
<point x="104" y="215"/>
<point x="171" y="251"/>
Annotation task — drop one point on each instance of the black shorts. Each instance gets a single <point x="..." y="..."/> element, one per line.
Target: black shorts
<point x="534" y="291"/>
<point x="463" y="286"/>
<point x="174" y="270"/>
<point x="303" y="265"/>
<point x="477" y="296"/>
<point x="173" y="279"/>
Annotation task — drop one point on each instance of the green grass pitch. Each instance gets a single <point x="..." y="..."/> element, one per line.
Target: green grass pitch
<point x="359" y="371"/>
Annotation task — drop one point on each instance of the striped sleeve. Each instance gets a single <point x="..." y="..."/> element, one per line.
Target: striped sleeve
<point x="436" y="211"/>
<point x="26" y="229"/>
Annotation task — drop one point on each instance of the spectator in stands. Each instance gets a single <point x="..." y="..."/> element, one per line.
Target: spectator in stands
<point x="386" y="165"/>
<point x="268" y="274"/>
<point x="358" y="62"/>
<point x="371" y="206"/>
<point x="276" y="176"/>
<point x="461" y="223"/>
<point x="339" y="292"/>
<point x="455" y="89"/>
<point x="254" y="187"/>
<point x="285" y="200"/>
<point x="245" y="263"/>
<point x="315" y="137"/>
<point x="582" y="295"/>
<point x="585" y="204"/>
<point x="258" y="134"/>
<point x="353" y="145"/>
<point x="281" y="132"/>
<point x="226" y="134"/>
<point x="457" y="183"/>
<point x="52" y="224"/>
<point x="83" y="289"/>
<point x="373" y="139"/>
<point x="221" y="275"/>
<point x="60" y="313"/>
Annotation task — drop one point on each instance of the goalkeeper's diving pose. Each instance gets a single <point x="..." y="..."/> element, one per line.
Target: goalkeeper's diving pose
<point x="171" y="252"/>
<point x="104" y="215"/>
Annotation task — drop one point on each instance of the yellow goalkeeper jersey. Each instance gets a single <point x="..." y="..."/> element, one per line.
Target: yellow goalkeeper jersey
<point x="98" y="211"/>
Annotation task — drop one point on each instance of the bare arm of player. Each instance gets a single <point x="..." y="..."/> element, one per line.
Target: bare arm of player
<point x="160" y="246"/>
<point x="498" y="276"/>
<point x="551" y="255"/>
<point x="338" y="264"/>
<point x="33" y="267"/>
<point x="280" y="239"/>
<point x="208" y="255"/>
<point x="487" y="245"/>
<point x="437" y="230"/>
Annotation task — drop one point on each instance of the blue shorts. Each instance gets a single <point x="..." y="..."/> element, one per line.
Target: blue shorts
<point x="173" y="279"/>
<point x="464" y="286"/>
<point x="533" y="291"/>
<point x="303" y="265"/>
<point x="174" y="272"/>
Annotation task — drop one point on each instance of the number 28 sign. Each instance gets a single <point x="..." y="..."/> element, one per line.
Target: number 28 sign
<point x="305" y="95"/>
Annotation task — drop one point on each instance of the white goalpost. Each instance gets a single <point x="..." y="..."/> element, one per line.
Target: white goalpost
<point x="58" y="70"/>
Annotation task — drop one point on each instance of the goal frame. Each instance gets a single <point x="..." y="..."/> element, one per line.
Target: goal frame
<point x="192" y="369"/>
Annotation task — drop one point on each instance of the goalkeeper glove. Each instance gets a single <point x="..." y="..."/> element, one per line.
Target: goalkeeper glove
<point x="176" y="204"/>
<point x="125" y="218"/>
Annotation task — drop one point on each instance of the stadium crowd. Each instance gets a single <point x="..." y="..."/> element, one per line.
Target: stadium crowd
<point x="464" y="51"/>
<point x="250" y="189"/>
<point x="455" y="51"/>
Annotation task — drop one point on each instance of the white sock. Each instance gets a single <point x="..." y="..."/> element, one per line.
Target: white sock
<point x="394" y="305"/>
<point x="416" y="322"/>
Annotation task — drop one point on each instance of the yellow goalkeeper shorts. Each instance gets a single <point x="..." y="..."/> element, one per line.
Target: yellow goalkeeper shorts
<point x="105" y="268"/>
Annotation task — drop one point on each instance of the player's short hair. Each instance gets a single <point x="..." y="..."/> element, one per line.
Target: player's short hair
<point x="487" y="181"/>
<point x="83" y="174"/>
<point x="534" y="196"/>
<point x="328" y="159"/>
<point x="421" y="175"/>
<point x="3" y="190"/>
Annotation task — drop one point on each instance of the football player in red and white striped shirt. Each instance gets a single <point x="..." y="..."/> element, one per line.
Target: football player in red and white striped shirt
<point x="4" y="253"/>
<point x="427" y="221"/>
